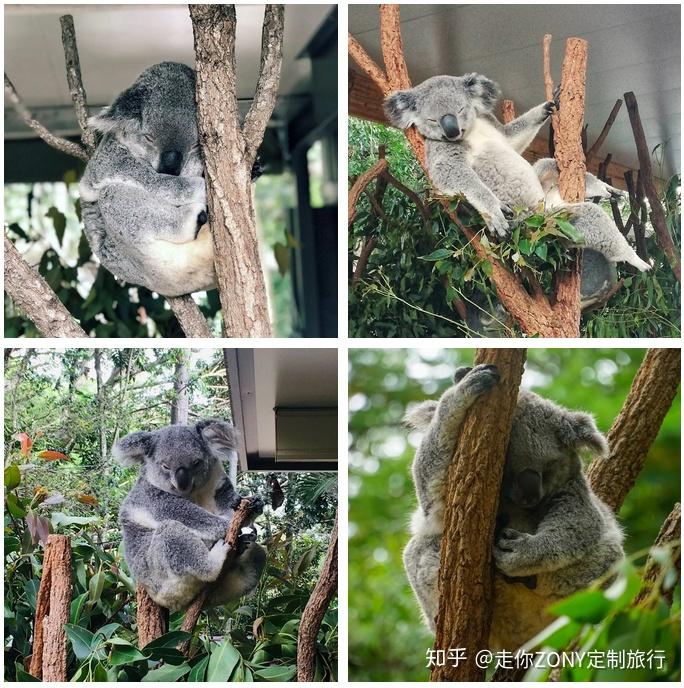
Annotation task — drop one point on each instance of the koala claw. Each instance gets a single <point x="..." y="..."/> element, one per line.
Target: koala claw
<point x="461" y="373"/>
<point x="217" y="555"/>
<point x="498" y="224"/>
<point x="507" y="535"/>
<point x="257" y="505"/>
<point x="244" y="541"/>
<point x="482" y="378"/>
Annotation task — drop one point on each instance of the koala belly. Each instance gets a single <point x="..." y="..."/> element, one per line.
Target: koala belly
<point x="509" y="176"/>
<point x="176" y="269"/>
<point x="519" y="614"/>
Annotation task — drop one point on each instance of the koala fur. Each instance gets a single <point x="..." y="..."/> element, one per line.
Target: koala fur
<point x="176" y="516"/>
<point x="469" y="152"/>
<point x="554" y="536"/>
<point x="589" y="219"/>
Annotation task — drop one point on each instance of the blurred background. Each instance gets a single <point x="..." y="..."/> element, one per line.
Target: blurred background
<point x="388" y="639"/>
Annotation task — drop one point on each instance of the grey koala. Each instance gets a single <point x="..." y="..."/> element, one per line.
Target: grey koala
<point x="554" y="536"/>
<point x="469" y="152"/>
<point x="143" y="193"/>
<point x="175" y="518"/>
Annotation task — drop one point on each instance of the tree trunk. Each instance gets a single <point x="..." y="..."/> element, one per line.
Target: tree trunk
<point x="49" y="656"/>
<point x="229" y="153"/>
<point x="180" y="403"/>
<point x="153" y="620"/>
<point x="101" y="405"/>
<point x="32" y="294"/>
<point x="472" y="500"/>
<point x="635" y="429"/>
<point x="312" y="616"/>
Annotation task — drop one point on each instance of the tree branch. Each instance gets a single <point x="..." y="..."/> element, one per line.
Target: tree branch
<point x="189" y="316"/>
<point x="61" y="144"/>
<point x="266" y="92"/>
<point x="32" y="294"/>
<point x="635" y="429"/>
<point x="312" y="616"/>
<point x="360" y="184"/>
<point x="606" y="129"/>
<point x="75" y="80"/>
<point x="240" y="278"/>
<point x="471" y="503"/>
<point x="368" y="65"/>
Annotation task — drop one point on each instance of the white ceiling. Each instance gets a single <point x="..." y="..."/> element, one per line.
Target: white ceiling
<point x="117" y="42"/>
<point x="631" y="48"/>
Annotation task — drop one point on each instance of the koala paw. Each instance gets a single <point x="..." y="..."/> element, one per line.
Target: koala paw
<point x="498" y="224"/>
<point x="257" y="505"/>
<point x="549" y="108"/>
<point x="509" y="552"/>
<point x="195" y="191"/>
<point x="481" y="378"/>
<point x="191" y="222"/>
<point x="217" y="556"/>
<point x="244" y="541"/>
<point x="257" y="169"/>
<point x="461" y="373"/>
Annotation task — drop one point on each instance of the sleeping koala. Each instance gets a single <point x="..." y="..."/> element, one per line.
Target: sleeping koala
<point x="143" y="193"/>
<point x="175" y="518"/>
<point x="469" y="152"/>
<point x="554" y="536"/>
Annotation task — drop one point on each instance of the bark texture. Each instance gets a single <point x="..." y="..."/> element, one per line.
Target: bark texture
<point x="473" y="484"/>
<point x="153" y="620"/>
<point x="359" y="186"/>
<point x="507" y="111"/>
<point x="228" y="154"/>
<point x="658" y="219"/>
<point x="49" y="656"/>
<point x="670" y="532"/>
<point x="312" y="616"/>
<point x="192" y="614"/>
<point x="535" y="313"/>
<point x="636" y="427"/>
<point x="189" y="316"/>
<point x="32" y="294"/>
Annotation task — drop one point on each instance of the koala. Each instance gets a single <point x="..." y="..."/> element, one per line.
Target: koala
<point x="143" y="195"/>
<point x="176" y="516"/>
<point x="469" y="152"/>
<point x="597" y="228"/>
<point x="554" y="536"/>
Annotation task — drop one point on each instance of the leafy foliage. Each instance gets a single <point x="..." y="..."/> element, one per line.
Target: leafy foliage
<point x="57" y="480"/>
<point x="418" y="271"/>
<point x="389" y="640"/>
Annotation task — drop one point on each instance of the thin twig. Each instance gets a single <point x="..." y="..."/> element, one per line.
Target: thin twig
<point x="75" y="81"/>
<point x="606" y="128"/>
<point x="61" y="144"/>
<point x="189" y="316"/>
<point x="360" y="184"/>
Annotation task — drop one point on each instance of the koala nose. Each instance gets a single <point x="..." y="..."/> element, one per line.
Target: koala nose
<point x="450" y="127"/>
<point x="170" y="162"/>
<point x="183" y="478"/>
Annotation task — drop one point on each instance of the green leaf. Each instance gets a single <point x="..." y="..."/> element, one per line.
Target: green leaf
<point x="535" y="221"/>
<point x="96" y="586"/>
<point x="487" y="268"/>
<point x="14" y="506"/>
<point x="170" y="639"/>
<point x="82" y="640"/>
<point x="223" y="659"/>
<point x="58" y="221"/>
<point x="542" y="250"/>
<point x="570" y="231"/>
<point x="439" y="254"/>
<point x="304" y="561"/>
<point x="199" y="670"/>
<point x="277" y="673"/>
<point x="167" y="672"/>
<point x="77" y="607"/>
<point x="60" y="519"/>
<point x="12" y="476"/>
<point x="525" y="247"/>
<point x="587" y="606"/>
<point x="282" y="256"/>
<point x="125" y="655"/>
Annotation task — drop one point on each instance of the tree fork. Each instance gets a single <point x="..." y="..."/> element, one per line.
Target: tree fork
<point x="471" y="503"/>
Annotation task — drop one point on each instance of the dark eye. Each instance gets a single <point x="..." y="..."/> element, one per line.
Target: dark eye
<point x="165" y="467"/>
<point x="432" y="121"/>
<point x="149" y="138"/>
<point x="197" y="462"/>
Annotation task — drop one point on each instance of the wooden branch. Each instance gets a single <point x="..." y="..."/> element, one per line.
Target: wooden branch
<point x="422" y="209"/>
<point x="240" y="517"/>
<point x="75" y="81"/>
<point x="658" y="219"/>
<point x="670" y="533"/>
<point x="606" y="129"/>
<point x="57" y="142"/>
<point x="471" y="503"/>
<point x="360" y="184"/>
<point x="392" y="47"/>
<point x="152" y="619"/>
<point x="507" y="111"/>
<point x="368" y="65"/>
<point x="49" y="654"/>
<point x="261" y="109"/>
<point x="635" y="429"/>
<point x="548" y="83"/>
<point x="189" y="316"/>
<point x="32" y="294"/>
<point x="240" y="278"/>
<point x="312" y="616"/>
<point x="368" y="245"/>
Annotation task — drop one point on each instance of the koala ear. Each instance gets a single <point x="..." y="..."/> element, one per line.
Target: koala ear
<point x="482" y="90"/>
<point x="133" y="448"/>
<point x="420" y="416"/>
<point x="583" y="434"/>
<point x="401" y="108"/>
<point x="219" y="436"/>
<point x="125" y="112"/>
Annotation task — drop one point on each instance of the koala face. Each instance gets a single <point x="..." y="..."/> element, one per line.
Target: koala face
<point x="443" y="108"/>
<point x="178" y="459"/>
<point x="155" y="119"/>
<point x="543" y="449"/>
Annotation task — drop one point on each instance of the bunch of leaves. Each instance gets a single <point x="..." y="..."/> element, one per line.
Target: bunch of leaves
<point x="612" y="620"/>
